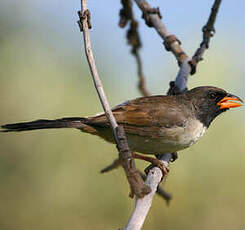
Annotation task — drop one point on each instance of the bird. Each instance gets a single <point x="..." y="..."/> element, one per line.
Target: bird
<point x="153" y="124"/>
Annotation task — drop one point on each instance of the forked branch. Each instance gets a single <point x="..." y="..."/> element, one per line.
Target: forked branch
<point x="136" y="183"/>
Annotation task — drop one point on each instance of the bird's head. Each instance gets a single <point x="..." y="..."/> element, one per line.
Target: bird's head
<point x="208" y="102"/>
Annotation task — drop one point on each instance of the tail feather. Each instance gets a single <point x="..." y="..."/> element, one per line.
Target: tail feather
<point x="71" y="122"/>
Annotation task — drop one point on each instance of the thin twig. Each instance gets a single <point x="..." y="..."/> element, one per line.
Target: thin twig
<point x="133" y="37"/>
<point x="141" y="84"/>
<point x="208" y="32"/>
<point x="137" y="185"/>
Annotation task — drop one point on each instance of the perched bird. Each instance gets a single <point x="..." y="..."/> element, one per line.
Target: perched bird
<point x="154" y="124"/>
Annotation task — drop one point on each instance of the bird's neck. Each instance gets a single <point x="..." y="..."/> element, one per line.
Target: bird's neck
<point x="206" y="116"/>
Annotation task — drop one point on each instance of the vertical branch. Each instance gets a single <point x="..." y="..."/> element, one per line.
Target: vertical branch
<point x="133" y="37"/>
<point x="136" y="183"/>
<point x="142" y="206"/>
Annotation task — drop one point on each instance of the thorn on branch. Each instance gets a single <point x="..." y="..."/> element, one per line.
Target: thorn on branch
<point x="84" y="16"/>
<point x="147" y="12"/>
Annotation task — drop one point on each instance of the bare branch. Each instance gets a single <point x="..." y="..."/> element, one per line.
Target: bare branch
<point x="208" y="32"/>
<point x="152" y="18"/>
<point x="133" y="37"/>
<point x="160" y="191"/>
<point x="143" y="205"/>
<point x="141" y="84"/>
<point x="136" y="183"/>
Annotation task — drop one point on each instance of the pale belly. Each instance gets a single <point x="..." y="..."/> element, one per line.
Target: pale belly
<point x="169" y="140"/>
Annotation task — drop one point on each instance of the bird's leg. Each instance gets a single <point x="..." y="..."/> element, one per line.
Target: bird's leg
<point x="174" y="156"/>
<point x="154" y="161"/>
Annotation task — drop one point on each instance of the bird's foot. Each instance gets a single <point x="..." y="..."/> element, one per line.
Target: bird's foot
<point x="160" y="165"/>
<point x="155" y="163"/>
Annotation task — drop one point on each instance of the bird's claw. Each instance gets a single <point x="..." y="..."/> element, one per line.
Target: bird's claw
<point x="160" y="165"/>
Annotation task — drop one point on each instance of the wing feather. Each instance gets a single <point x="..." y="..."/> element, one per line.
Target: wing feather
<point x="144" y="116"/>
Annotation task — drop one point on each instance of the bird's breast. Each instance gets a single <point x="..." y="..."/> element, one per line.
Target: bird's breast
<point x="192" y="132"/>
<point x="181" y="137"/>
<point x="169" y="139"/>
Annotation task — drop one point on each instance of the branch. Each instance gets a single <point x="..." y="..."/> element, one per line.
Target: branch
<point x="160" y="191"/>
<point x="153" y="18"/>
<point x="143" y="205"/>
<point x="136" y="182"/>
<point x="208" y="32"/>
<point x="133" y="37"/>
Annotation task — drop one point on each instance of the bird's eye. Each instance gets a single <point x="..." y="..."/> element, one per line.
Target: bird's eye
<point x="212" y="95"/>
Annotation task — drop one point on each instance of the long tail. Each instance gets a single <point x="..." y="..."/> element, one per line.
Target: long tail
<point x="71" y="122"/>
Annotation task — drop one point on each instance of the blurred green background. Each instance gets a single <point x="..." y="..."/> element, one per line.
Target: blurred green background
<point x="50" y="179"/>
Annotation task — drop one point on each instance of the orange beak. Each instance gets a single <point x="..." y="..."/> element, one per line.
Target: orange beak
<point x="229" y="102"/>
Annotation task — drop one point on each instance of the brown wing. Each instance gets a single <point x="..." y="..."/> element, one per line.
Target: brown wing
<point x="144" y="116"/>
